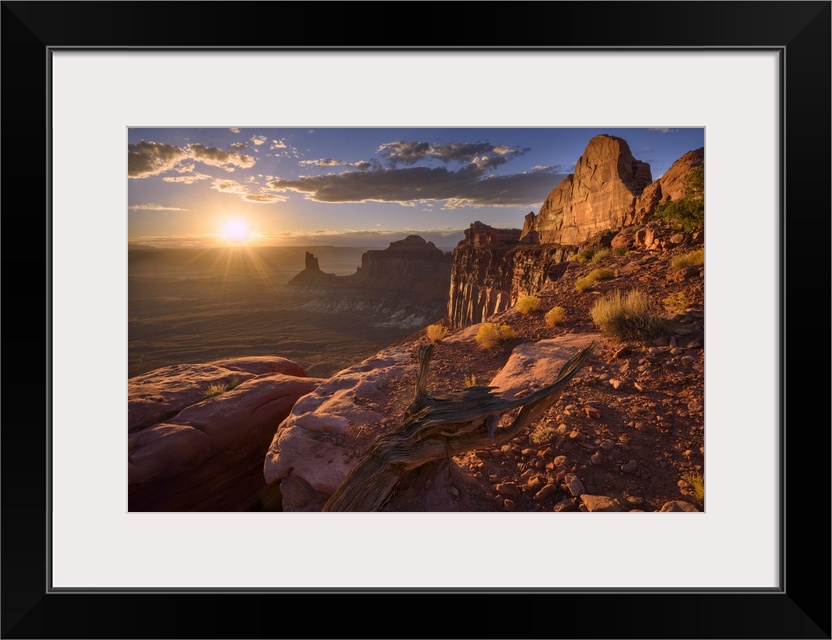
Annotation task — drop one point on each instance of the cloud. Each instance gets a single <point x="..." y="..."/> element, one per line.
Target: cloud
<point x="264" y="196"/>
<point x="278" y="144"/>
<point x="234" y="130"/>
<point x="662" y="130"/>
<point x="154" y="207"/>
<point x="218" y="158"/>
<point x="238" y="145"/>
<point x="258" y="140"/>
<point x="321" y="162"/>
<point x="468" y="186"/>
<point x="152" y="158"/>
<point x="484" y="153"/>
<point x="187" y="179"/>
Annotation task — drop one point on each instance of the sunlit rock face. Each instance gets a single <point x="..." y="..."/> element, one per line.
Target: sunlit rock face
<point x="600" y="195"/>
<point x="491" y="269"/>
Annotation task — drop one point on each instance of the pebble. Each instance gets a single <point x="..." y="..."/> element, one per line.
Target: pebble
<point x="509" y="504"/>
<point x="455" y="491"/>
<point x="695" y="406"/>
<point x="570" y="410"/>
<point x="507" y="489"/>
<point x="606" y="445"/>
<point x="638" y="386"/>
<point x="623" y="351"/>
<point x="506" y="449"/>
<point x="593" y="413"/>
<point x="574" y="434"/>
<point x="616" y="384"/>
<point x="535" y="483"/>
<point x="600" y="503"/>
<point x="498" y="499"/>
<point x="482" y="454"/>
<point x="694" y="344"/>
<point x="629" y="467"/>
<point x="546" y="492"/>
<point x="528" y="452"/>
<point x="576" y="487"/>
<point x="564" y="505"/>
<point x="560" y="461"/>
<point x="677" y="505"/>
<point x="635" y="499"/>
<point x="597" y="458"/>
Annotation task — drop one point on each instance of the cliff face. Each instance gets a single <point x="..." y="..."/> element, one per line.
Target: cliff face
<point x="610" y="190"/>
<point x="491" y="269"/>
<point x="600" y="195"/>
<point x="404" y="285"/>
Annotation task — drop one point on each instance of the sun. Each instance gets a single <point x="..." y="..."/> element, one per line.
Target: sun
<point x="237" y="230"/>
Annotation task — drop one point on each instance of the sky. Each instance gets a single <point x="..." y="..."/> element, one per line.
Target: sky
<point x="363" y="187"/>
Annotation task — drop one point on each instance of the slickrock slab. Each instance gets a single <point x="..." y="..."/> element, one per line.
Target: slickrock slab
<point x="189" y="452"/>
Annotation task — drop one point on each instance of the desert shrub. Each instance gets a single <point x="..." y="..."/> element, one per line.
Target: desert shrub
<point x="678" y="301"/>
<point x="589" y="280"/>
<point x="600" y="254"/>
<point x="527" y="304"/>
<point x="627" y="316"/>
<point x="490" y="335"/>
<point x="543" y="434"/>
<point x="216" y="388"/>
<point x="621" y="251"/>
<point x="471" y="380"/>
<point x="585" y="255"/>
<point x="555" y="316"/>
<point x="689" y="259"/>
<point x="436" y="332"/>
<point x="697" y="485"/>
<point x="687" y="214"/>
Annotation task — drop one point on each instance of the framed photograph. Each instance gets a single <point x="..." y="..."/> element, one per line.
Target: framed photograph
<point x="125" y="107"/>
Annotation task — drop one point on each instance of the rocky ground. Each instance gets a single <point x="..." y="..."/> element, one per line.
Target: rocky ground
<point x="627" y="433"/>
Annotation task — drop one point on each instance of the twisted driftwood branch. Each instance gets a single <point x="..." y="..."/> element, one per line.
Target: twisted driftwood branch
<point x="440" y="427"/>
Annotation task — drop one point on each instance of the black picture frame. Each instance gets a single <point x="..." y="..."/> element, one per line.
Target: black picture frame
<point x="800" y="608"/>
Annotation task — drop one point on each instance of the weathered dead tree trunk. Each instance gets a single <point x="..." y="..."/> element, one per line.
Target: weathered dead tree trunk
<point x="439" y="427"/>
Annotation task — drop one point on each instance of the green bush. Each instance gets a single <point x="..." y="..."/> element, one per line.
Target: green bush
<point x="594" y="276"/>
<point x="687" y="214"/>
<point x="543" y="434"/>
<point x="678" y="301"/>
<point x="555" y="316"/>
<point x="697" y="485"/>
<point x="490" y="335"/>
<point x="689" y="259"/>
<point x="600" y="254"/>
<point x="627" y="316"/>
<point x="527" y="304"/>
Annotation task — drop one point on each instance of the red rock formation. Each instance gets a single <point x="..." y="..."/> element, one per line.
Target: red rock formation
<point x="491" y="269"/>
<point x="600" y="195"/>
<point x="187" y="452"/>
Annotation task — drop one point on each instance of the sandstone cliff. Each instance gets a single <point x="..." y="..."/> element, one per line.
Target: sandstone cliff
<point x="609" y="191"/>
<point x="404" y="285"/>
<point x="600" y="195"/>
<point x="490" y="269"/>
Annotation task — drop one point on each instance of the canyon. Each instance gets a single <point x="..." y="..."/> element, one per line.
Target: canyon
<point x="627" y="435"/>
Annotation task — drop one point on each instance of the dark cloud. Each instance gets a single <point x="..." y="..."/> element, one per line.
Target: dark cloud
<point x="152" y="158"/>
<point x="218" y="158"/>
<point x="483" y="153"/>
<point x="466" y="187"/>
